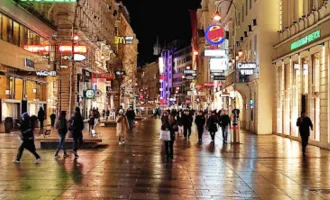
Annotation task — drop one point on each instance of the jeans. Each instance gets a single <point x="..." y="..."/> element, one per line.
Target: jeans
<point x="186" y="130"/>
<point x="61" y="144"/>
<point x="304" y="143"/>
<point x="224" y="133"/>
<point x="212" y="136"/>
<point x="77" y="141"/>
<point x="200" y="132"/>
<point x="91" y="127"/>
<point x="131" y="124"/>
<point x="28" y="145"/>
<point x="169" y="149"/>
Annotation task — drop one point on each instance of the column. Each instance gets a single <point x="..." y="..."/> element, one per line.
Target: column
<point x="324" y="96"/>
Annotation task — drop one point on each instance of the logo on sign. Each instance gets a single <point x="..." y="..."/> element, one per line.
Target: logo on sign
<point x="46" y="73"/>
<point x="215" y="35"/>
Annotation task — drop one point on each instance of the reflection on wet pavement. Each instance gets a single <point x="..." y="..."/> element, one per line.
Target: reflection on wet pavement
<point x="262" y="167"/>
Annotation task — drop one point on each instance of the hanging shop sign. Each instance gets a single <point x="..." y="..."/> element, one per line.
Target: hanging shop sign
<point x="79" y="57"/>
<point x="305" y="40"/>
<point x="218" y="64"/>
<point x="247" y="72"/>
<point x="106" y="76"/>
<point x="68" y="49"/>
<point x="124" y="40"/>
<point x="246" y="65"/>
<point x="89" y="94"/>
<point x="215" y="35"/>
<point x="190" y="77"/>
<point x="50" y="1"/>
<point x="28" y="63"/>
<point x="215" y="53"/>
<point x="189" y="71"/>
<point x="218" y="78"/>
<point x="161" y="65"/>
<point x="46" y="73"/>
<point x="97" y="93"/>
<point x="211" y="84"/>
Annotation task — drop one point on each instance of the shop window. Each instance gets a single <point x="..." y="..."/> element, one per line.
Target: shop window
<point x="23" y="36"/>
<point x="15" y="33"/>
<point x="4" y="28"/>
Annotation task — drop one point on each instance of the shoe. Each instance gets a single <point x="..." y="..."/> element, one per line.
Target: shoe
<point x="65" y="155"/>
<point x="37" y="161"/>
<point x="75" y="154"/>
<point x="123" y="142"/>
<point x="16" y="161"/>
<point x="120" y="143"/>
<point x="56" y="156"/>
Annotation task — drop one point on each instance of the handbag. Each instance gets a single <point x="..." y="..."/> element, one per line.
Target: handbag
<point x="165" y="135"/>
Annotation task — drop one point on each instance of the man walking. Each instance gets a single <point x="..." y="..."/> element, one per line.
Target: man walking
<point x="224" y="123"/>
<point x="130" y="114"/>
<point x="76" y="127"/>
<point x="187" y="123"/>
<point x="41" y="117"/>
<point x="304" y="123"/>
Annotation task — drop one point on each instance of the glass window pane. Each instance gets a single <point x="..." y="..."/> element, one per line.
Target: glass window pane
<point x="23" y="36"/>
<point x="4" y="28"/>
<point x="10" y="30"/>
<point x="16" y="33"/>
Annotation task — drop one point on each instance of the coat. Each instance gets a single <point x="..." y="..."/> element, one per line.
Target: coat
<point x="122" y="125"/>
<point x="212" y="124"/>
<point x="304" y="124"/>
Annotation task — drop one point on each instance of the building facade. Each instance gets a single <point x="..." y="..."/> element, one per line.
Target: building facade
<point x="301" y="68"/>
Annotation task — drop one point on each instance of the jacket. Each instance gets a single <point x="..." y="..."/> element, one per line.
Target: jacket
<point x="224" y="120"/>
<point x="187" y="120"/>
<point x="76" y="124"/>
<point x="121" y="126"/>
<point x="26" y="130"/>
<point x="212" y="123"/>
<point x="62" y="125"/>
<point x="41" y="115"/>
<point x="200" y="121"/>
<point x="304" y="124"/>
<point x="130" y="114"/>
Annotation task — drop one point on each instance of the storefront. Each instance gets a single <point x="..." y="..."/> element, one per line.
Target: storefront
<point x="302" y="79"/>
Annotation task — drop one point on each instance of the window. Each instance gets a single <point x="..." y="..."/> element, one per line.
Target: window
<point x="16" y="33"/>
<point x="246" y="7"/>
<point x="242" y="13"/>
<point x="255" y="46"/>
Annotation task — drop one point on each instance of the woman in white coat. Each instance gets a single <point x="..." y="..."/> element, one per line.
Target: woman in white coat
<point x="122" y="126"/>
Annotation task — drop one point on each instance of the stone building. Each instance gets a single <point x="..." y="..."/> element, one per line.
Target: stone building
<point x="301" y="68"/>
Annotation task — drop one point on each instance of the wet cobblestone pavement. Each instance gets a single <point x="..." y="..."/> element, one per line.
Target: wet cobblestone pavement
<point x="262" y="167"/>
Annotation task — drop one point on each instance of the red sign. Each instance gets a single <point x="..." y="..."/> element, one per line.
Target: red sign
<point x="107" y="76"/>
<point x="162" y="78"/>
<point x="215" y="35"/>
<point x="188" y="101"/>
<point x="37" y="48"/>
<point x="211" y="84"/>
<point x="162" y="101"/>
<point x="68" y="49"/>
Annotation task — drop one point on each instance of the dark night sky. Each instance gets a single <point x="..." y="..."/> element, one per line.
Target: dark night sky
<point x="169" y="19"/>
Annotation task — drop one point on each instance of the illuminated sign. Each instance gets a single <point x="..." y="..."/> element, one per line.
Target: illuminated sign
<point x="120" y="73"/>
<point x="218" y="64"/>
<point x="189" y="71"/>
<point x="50" y="1"/>
<point x="247" y="72"/>
<point x="215" y="35"/>
<point x="89" y="94"/>
<point x="161" y="65"/>
<point x="215" y="53"/>
<point x="305" y="40"/>
<point x="46" y="73"/>
<point x="124" y="40"/>
<point x="190" y="77"/>
<point x="68" y="49"/>
<point x="246" y="65"/>
<point x="36" y="48"/>
<point x="107" y="76"/>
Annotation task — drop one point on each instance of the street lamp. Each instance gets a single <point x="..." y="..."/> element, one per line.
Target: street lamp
<point x="216" y="16"/>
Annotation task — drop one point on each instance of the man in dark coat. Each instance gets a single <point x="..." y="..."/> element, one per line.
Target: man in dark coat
<point x="304" y="123"/>
<point x="130" y="114"/>
<point x="76" y="126"/>
<point x="187" y="123"/>
<point x="200" y="123"/>
<point x="41" y="117"/>
<point x="224" y="123"/>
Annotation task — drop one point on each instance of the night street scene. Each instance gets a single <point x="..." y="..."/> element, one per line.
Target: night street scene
<point x="168" y="100"/>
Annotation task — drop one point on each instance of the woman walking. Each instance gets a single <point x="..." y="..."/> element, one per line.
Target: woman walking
<point x="62" y="129"/>
<point x="122" y="126"/>
<point x="169" y="124"/>
<point x="91" y="121"/>
<point x="180" y="123"/>
<point x="212" y="125"/>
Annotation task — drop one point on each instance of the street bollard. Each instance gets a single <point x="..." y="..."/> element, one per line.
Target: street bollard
<point x="235" y="135"/>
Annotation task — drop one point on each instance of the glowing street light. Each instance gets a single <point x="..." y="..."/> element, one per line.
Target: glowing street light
<point x="216" y="16"/>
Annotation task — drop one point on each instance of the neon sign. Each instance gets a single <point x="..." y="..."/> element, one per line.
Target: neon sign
<point x="36" y="48"/>
<point x="305" y="40"/>
<point x="50" y="1"/>
<point x="215" y="35"/>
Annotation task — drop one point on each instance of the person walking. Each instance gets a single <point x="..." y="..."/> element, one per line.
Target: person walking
<point x="212" y="125"/>
<point x="304" y="123"/>
<point x="62" y="129"/>
<point x="180" y="123"/>
<point x="187" y="123"/>
<point x="107" y="114"/>
<point x="96" y="116"/>
<point x="76" y="127"/>
<point x="91" y="121"/>
<point x="122" y="126"/>
<point x="169" y="124"/>
<point x="224" y="124"/>
<point x="41" y="117"/>
<point x="52" y="119"/>
<point x="27" y="138"/>
<point x="130" y="114"/>
<point x="200" y="123"/>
